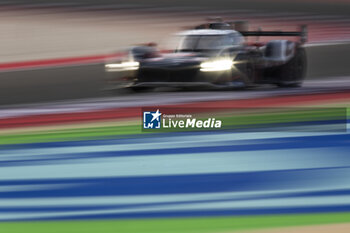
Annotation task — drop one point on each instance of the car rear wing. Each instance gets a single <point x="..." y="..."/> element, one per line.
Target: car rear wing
<point x="243" y="28"/>
<point x="302" y="33"/>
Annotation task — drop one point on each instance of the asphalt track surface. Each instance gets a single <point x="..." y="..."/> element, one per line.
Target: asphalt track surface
<point x="86" y="81"/>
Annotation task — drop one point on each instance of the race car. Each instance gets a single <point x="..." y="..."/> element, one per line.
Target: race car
<point x="214" y="55"/>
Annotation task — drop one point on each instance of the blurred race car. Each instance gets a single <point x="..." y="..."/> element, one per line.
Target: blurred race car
<point x="214" y="55"/>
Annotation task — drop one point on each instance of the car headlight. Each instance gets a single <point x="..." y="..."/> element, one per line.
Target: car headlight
<point x="129" y="65"/>
<point x="216" y="65"/>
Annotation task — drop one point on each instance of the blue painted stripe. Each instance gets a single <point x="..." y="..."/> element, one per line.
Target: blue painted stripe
<point x="326" y="141"/>
<point x="249" y="197"/>
<point x="180" y="184"/>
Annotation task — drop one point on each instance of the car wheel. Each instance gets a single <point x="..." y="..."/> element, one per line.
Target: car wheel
<point x="292" y="74"/>
<point x="141" y="89"/>
<point x="246" y="75"/>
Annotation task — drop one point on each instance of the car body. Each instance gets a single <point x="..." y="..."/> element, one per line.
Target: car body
<point x="217" y="57"/>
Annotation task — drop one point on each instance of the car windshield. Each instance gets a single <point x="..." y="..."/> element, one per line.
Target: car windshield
<point x="204" y="42"/>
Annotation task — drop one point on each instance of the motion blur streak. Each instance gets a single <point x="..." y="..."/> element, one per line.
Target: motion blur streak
<point x="280" y="161"/>
<point x="296" y="174"/>
<point x="155" y="175"/>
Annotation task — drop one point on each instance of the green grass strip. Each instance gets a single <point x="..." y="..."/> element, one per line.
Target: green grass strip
<point x="70" y="134"/>
<point x="188" y="225"/>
